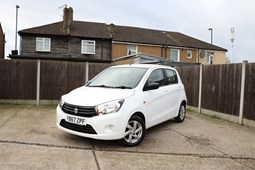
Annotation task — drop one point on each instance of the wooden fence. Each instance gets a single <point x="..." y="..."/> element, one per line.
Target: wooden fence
<point x="220" y="86"/>
<point x="19" y="78"/>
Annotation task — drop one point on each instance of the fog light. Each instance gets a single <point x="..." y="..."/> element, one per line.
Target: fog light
<point x="109" y="128"/>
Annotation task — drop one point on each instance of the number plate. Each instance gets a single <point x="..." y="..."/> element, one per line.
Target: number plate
<point x="76" y="120"/>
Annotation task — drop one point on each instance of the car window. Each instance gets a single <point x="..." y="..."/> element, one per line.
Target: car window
<point x="156" y="76"/>
<point x="171" y="77"/>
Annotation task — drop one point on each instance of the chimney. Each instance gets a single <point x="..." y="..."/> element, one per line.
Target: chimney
<point x="67" y="20"/>
<point x="111" y="30"/>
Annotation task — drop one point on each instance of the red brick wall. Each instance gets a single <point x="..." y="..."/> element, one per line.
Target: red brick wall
<point x="120" y="50"/>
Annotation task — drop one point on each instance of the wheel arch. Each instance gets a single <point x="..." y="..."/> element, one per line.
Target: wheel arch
<point x="184" y="102"/>
<point x="141" y="115"/>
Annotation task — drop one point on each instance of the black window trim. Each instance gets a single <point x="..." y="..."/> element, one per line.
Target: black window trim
<point x="165" y="77"/>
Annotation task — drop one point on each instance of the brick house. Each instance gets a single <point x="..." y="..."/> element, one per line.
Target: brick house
<point x="2" y="43"/>
<point x="90" y="41"/>
<point x="173" y="46"/>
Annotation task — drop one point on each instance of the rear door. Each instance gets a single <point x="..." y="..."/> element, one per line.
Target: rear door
<point x="173" y="88"/>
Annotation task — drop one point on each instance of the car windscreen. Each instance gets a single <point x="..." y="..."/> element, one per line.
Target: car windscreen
<point x="118" y="77"/>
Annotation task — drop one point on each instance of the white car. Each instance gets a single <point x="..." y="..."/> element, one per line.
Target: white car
<point x="122" y="102"/>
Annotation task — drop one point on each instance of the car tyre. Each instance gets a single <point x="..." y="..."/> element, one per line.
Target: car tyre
<point x="182" y="114"/>
<point x="134" y="132"/>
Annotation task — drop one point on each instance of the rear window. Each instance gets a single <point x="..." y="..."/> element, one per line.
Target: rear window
<point x="171" y="77"/>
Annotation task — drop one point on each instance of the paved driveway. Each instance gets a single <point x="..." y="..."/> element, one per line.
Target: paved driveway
<point x="29" y="139"/>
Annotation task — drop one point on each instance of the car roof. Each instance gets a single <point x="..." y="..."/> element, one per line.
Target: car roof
<point x="143" y="66"/>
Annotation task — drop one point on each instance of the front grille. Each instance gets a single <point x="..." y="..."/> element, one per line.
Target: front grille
<point x="78" y="128"/>
<point x="83" y="111"/>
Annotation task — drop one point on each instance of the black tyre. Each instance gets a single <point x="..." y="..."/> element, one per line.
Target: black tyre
<point x="182" y="114"/>
<point x="135" y="131"/>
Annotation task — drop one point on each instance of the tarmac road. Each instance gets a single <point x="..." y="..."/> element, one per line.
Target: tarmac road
<point x="29" y="139"/>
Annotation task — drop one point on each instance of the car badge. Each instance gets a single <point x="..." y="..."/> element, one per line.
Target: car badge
<point x="76" y="110"/>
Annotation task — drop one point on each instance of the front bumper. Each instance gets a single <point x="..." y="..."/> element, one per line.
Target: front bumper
<point x="104" y="127"/>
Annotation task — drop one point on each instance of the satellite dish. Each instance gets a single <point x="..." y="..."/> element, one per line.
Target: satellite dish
<point x="202" y="54"/>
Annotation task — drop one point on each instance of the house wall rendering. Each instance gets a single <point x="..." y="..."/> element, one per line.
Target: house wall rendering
<point x="218" y="57"/>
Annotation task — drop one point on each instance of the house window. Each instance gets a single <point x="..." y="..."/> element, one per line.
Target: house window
<point x="210" y="57"/>
<point x="88" y="47"/>
<point x="132" y="49"/>
<point x="175" y="55"/>
<point x="43" y="44"/>
<point x="189" y="54"/>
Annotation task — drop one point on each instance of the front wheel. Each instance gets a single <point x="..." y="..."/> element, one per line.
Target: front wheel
<point x="135" y="131"/>
<point x="182" y="114"/>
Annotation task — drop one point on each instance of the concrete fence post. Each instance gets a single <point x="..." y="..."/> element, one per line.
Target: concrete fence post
<point x="244" y="64"/>
<point x="38" y="83"/>
<point x="87" y="72"/>
<point x="200" y="87"/>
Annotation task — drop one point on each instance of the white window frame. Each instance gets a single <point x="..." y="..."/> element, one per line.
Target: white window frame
<point x="210" y="57"/>
<point x="131" y="50"/>
<point x="189" y="53"/>
<point x="178" y="53"/>
<point x="43" y="44"/>
<point x="88" y="47"/>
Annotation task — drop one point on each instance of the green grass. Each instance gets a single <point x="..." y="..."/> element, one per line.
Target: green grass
<point x="189" y="110"/>
<point x="215" y="117"/>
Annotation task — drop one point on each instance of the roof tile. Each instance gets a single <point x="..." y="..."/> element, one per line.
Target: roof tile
<point x="123" y="34"/>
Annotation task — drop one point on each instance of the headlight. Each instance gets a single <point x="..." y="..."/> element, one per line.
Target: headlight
<point x="61" y="101"/>
<point x="110" y="107"/>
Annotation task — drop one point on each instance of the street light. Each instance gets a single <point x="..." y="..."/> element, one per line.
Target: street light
<point x="16" y="32"/>
<point x="210" y="29"/>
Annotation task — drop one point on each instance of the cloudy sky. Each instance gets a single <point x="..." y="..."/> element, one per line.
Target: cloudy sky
<point x="191" y="17"/>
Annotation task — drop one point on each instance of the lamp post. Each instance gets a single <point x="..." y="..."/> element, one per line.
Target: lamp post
<point x="16" y="31"/>
<point x="210" y="29"/>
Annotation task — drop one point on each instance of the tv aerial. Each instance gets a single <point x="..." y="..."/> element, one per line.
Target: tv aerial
<point x="232" y="38"/>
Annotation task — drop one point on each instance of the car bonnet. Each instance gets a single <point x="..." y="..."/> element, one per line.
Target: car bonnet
<point x="92" y="96"/>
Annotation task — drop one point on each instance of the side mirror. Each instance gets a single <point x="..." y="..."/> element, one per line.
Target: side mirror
<point x="153" y="86"/>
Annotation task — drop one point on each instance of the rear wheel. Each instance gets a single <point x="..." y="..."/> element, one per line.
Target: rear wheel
<point x="182" y="114"/>
<point x="135" y="131"/>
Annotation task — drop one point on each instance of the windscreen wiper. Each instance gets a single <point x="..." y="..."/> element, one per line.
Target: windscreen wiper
<point x="122" y="87"/>
<point x="101" y="85"/>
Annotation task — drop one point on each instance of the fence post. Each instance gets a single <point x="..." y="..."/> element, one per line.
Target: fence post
<point x="38" y="83"/>
<point x="200" y="87"/>
<point x="87" y="72"/>
<point x="244" y="64"/>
